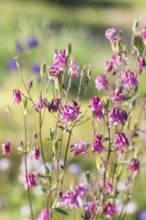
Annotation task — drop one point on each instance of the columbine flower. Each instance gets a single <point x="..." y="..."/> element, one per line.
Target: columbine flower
<point x="44" y="215"/>
<point x="143" y="34"/>
<point x="90" y="208"/>
<point x="16" y="96"/>
<point x="11" y="65"/>
<point x="118" y="116"/>
<point x="54" y="105"/>
<point x="96" y="107"/>
<point x="109" y="210"/>
<point x="41" y="103"/>
<point x="111" y="36"/>
<point x="101" y="82"/>
<point x="108" y="66"/>
<point x="29" y="181"/>
<point x="73" y="69"/>
<point x="6" y="148"/>
<point x="69" y="113"/>
<point x="134" y="165"/>
<point x="117" y="96"/>
<point x="105" y="184"/>
<point x="80" y="147"/>
<point x="81" y="190"/>
<point x="129" y="80"/>
<point x="121" y="141"/>
<point x="70" y="200"/>
<point x="35" y="68"/>
<point x="32" y="42"/>
<point x="140" y="64"/>
<point x="96" y="144"/>
<point x="35" y="152"/>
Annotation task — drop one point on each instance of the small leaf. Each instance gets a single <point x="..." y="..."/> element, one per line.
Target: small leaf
<point x="61" y="211"/>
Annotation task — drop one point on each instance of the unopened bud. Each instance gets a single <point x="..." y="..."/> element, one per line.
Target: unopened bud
<point x="135" y="25"/>
<point x="34" y="135"/>
<point x="30" y="84"/>
<point x="137" y="43"/>
<point x="43" y="69"/>
<point x="88" y="176"/>
<point x="69" y="49"/>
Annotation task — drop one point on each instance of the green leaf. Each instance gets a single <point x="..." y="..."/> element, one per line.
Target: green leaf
<point x="61" y="211"/>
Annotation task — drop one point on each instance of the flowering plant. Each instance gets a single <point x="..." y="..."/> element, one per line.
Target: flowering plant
<point x="113" y="146"/>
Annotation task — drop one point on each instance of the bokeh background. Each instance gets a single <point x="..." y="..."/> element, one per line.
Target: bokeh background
<point x="53" y="23"/>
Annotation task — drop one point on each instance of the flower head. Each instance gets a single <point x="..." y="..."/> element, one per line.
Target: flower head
<point x="41" y="103"/>
<point x="111" y="35"/>
<point x="73" y="69"/>
<point x="44" y="215"/>
<point x="140" y="64"/>
<point x="35" y="152"/>
<point x="29" y="181"/>
<point x="96" y="108"/>
<point x="69" y="113"/>
<point x="32" y="42"/>
<point x="118" y="116"/>
<point x="11" y="65"/>
<point x="16" y="96"/>
<point x="96" y="144"/>
<point x="109" y="210"/>
<point x="6" y="148"/>
<point x="101" y="82"/>
<point x="129" y="80"/>
<point x="80" y="147"/>
<point x="54" y="105"/>
<point x="121" y="141"/>
<point x="134" y="165"/>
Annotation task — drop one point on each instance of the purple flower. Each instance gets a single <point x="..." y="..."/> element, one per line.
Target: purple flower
<point x="105" y="184"/>
<point x="96" y="108"/>
<point x="90" y="208"/>
<point x="80" y="147"/>
<point x="69" y="113"/>
<point x="117" y="96"/>
<point x="129" y="80"/>
<point x="81" y="190"/>
<point x="143" y="34"/>
<point x="32" y="42"/>
<point x="109" y="210"/>
<point x="134" y="165"/>
<point x="11" y="65"/>
<point x="101" y="82"/>
<point x="54" y="105"/>
<point x="121" y="141"/>
<point x="19" y="46"/>
<point x="29" y="181"/>
<point x="35" y="152"/>
<point x="16" y="96"/>
<point x="118" y="116"/>
<point x="6" y="148"/>
<point x="96" y="144"/>
<point x="111" y="36"/>
<point x="44" y="215"/>
<point x="41" y="103"/>
<point x="117" y="60"/>
<point x="142" y="215"/>
<point x="35" y="68"/>
<point x="73" y="69"/>
<point x="140" y="64"/>
<point x="70" y="200"/>
<point x="108" y="66"/>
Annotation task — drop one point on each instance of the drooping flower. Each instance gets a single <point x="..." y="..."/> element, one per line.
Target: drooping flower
<point x="6" y="147"/>
<point x="109" y="210"/>
<point x="118" y="116"/>
<point x="96" y="108"/>
<point x="108" y="66"/>
<point x="29" y="181"/>
<point x="90" y="208"/>
<point x="16" y="96"/>
<point x="70" y="200"/>
<point x="96" y="144"/>
<point x="41" y="103"/>
<point x="106" y="186"/>
<point x="101" y="82"/>
<point x="111" y="35"/>
<point x="11" y="65"/>
<point x="79" y="147"/>
<point x="129" y="80"/>
<point x="35" y="152"/>
<point x="44" y="215"/>
<point x="117" y="96"/>
<point x="35" y="68"/>
<point x="32" y="42"/>
<point x="54" y="105"/>
<point x="141" y="64"/>
<point x="81" y="190"/>
<point x="69" y="113"/>
<point x="134" y="165"/>
<point x="121" y="141"/>
<point x="73" y="69"/>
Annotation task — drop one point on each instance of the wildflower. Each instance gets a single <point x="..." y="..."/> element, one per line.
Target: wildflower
<point x="80" y="147"/>
<point x="96" y="108"/>
<point x="41" y="103"/>
<point x="54" y="105"/>
<point x="96" y="144"/>
<point x="118" y="116"/>
<point x="69" y="113"/>
<point x="101" y="82"/>
<point x="29" y="181"/>
<point x="6" y="148"/>
<point x="143" y="34"/>
<point x="35" y="68"/>
<point x="11" y="65"/>
<point x="117" y="96"/>
<point x="140" y="63"/>
<point x="109" y="210"/>
<point x="129" y="80"/>
<point x="35" y="152"/>
<point x="105" y="184"/>
<point x="121" y="141"/>
<point x="32" y="42"/>
<point x="73" y="69"/>
<point x="108" y="66"/>
<point x="111" y="36"/>
<point x="90" y="208"/>
<point x="70" y="200"/>
<point x="81" y="190"/>
<point x="134" y="165"/>
<point x="16" y="96"/>
<point x="117" y="60"/>
<point x="44" y="215"/>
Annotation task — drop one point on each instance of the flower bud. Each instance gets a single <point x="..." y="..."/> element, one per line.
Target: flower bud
<point x="69" y="49"/>
<point x="88" y="176"/>
<point x="135" y="25"/>
<point x="58" y="82"/>
<point x="43" y="69"/>
<point x="30" y="84"/>
<point x="137" y="43"/>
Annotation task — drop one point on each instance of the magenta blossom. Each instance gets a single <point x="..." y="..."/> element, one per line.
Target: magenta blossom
<point x="35" y="152"/>
<point x="118" y="116"/>
<point x="29" y="181"/>
<point x="109" y="210"/>
<point x="69" y="113"/>
<point x="108" y="66"/>
<point x="96" y="108"/>
<point x="81" y="190"/>
<point x="101" y="82"/>
<point x="73" y="69"/>
<point x="44" y="215"/>
<point x="6" y="145"/>
<point x="129" y="80"/>
<point x="41" y="103"/>
<point x="80" y="147"/>
<point x="143" y="34"/>
<point x="54" y="105"/>
<point x="70" y="200"/>
<point x="90" y="208"/>
<point x="16" y="96"/>
<point x="106" y="185"/>
<point x="134" y="165"/>
<point x="111" y="35"/>
<point x="96" y="144"/>
<point x="117" y="96"/>
<point x="140" y="64"/>
<point x="121" y="141"/>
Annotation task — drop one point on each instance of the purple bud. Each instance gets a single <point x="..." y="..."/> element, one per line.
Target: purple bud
<point x="44" y="215"/>
<point x="35" y="152"/>
<point x="96" y="144"/>
<point x="121" y="141"/>
<point x="109" y="210"/>
<point x="73" y="69"/>
<point x="140" y="64"/>
<point x="111" y="36"/>
<point x="80" y="147"/>
<point x="29" y="181"/>
<point x="54" y="105"/>
<point x="6" y="148"/>
<point x="101" y="82"/>
<point x="16" y="96"/>
<point x="134" y="165"/>
<point x="96" y="108"/>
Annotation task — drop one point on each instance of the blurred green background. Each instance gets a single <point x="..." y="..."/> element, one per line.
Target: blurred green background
<point x="54" y="23"/>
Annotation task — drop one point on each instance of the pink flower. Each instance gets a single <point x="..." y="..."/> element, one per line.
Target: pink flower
<point x="16" y="96"/>
<point x="109" y="210"/>
<point x="44" y="215"/>
<point x="96" y="108"/>
<point x="80" y="147"/>
<point x="140" y="64"/>
<point x="129" y="80"/>
<point x="54" y="105"/>
<point x="6" y="148"/>
<point x="106" y="185"/>
<point x="111" y="36"/>
<point x="134" y="165"/>
<point x="73" y="69"/>
<point x="121" y="141"/>
<point x="29" y="181"/>
<point x="96" y="144"/>
<point x="69" y="113"/>
<point x="41" y="103"/>
<point x="101" y="82"/>
<point x="70" y="200"/>
<point x="117" y="96"/>
<point x="118" y="116"/>
<point x="90" y="208"/>
<point x="108" y="66"/>
<point x="35" y="152"/>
